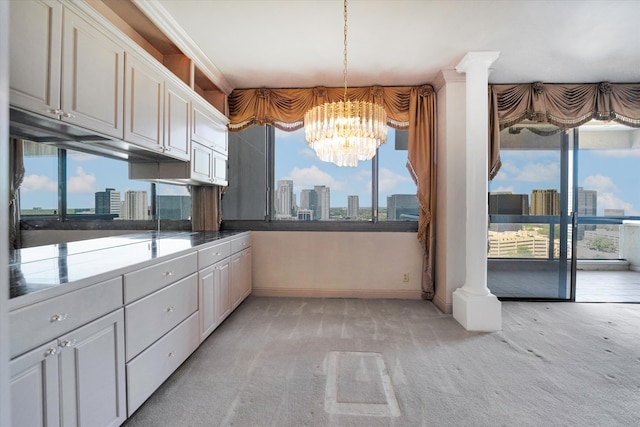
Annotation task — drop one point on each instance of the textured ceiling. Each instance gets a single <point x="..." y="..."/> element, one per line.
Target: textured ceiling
<point x="298" y="43"/>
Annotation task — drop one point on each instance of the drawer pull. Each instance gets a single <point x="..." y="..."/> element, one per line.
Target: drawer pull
<point x="50" y="352"/>
<point x="170" y="309"/>
<point x="55" y="111"/>
<point x="168" y="273"/>
<point x="218" y="254"/>
<point x="171" y="354"/>
<point x="68" y="115"/>
<point x="58" y="317"/>
<point x="67" y="343"/>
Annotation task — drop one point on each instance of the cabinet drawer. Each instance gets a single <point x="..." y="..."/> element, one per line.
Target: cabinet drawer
<point x="240" y="243"/>
<point x="153" y="366"/>
<point x="35" y="324"/>
<point x="153" y="316"/>
<point x="210" y="256"/>
<point x="143" y="282"/>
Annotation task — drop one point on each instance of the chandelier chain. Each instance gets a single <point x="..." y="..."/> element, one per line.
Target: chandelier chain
<point x="345" y="51"/>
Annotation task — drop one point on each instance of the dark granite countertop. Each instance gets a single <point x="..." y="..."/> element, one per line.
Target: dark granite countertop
<point x="42" y="268"/>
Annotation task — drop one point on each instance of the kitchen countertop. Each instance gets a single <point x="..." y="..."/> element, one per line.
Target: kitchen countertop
<point x="38" y="272"/>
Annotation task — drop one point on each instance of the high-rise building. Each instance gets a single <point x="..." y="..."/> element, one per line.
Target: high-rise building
<point x="402" y="207"/>
<point x="135" y="205"/>
<point x="174" y="207"/>
<point x="305" y="215"/>
<point x="508" y="204"/>
<point x="284" y="199"/>
<point x="545" y="202"/>
<point x="353" y="206"/>
<point x="323" y="202"/>
<point x="587" y="206"/>
<point x="614" y="212"/>
<point x="107" y="202"/>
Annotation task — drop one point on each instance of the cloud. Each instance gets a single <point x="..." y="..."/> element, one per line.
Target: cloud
<point x="389" y="180"/>
<point x="82" y="182"/>
<point x="607" y="200"/>
<point x="38" y="183"/>
<point x="308" y="153"/>
<point x="306" y="178"/>
<point x="536" y="172"/>
<point x="599" y="183"/>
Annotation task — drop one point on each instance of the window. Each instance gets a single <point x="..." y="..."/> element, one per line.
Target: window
<point x="296" y="187"/>
<point x="94" y="188"/>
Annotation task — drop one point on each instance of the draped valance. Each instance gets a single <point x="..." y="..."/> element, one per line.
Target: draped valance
<point x="563" y="105"/>
<point x="407" y="107"/>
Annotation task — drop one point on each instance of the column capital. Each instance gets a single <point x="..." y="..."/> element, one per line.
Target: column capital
<point x="476" y="58"/>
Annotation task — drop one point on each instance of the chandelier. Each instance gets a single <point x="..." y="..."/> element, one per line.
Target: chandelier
<point x="346" y="131"/>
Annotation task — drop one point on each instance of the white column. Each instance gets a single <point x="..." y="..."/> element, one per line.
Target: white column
<point x="474" y="306"/>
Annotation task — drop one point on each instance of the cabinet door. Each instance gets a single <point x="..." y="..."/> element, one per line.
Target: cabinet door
<point x="34" y="388"/>
<point x="201" y="162"/>
<point x="144" y="100"/>
<point x="206" y="301"/>
<point x="92" y="373"/>
<point x="220" y="169"/>
<point x="92" y="77"/>
<point x="208" y="129"/>
<point x="177" y="109"/>
<point x="240" y="276"/>
<point x="35" y="49"/>
<point x="223" y="291"/>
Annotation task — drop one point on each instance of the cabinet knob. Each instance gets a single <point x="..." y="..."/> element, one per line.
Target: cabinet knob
<point x="67" y="343"/>
<point x="218" y="254"/>
<point x="168" y="273"/>
<point x="68" y="115"/>
<point x="58" y="317"/>
<point x="170" y="309"/>
<point x="171" y="354"/>
<point x="55" y="111"/>
<point x="50" y="352"/>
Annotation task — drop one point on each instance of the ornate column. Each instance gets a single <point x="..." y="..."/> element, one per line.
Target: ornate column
<point x="474" y="306"/>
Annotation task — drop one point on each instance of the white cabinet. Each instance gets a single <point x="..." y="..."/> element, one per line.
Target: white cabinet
<point x="214" y="297"/>
<point x="157" y="111"/>
<point x="241" y="273"/>
<point x="161" y="327"/>
<point x="65" y="68"/>
<point x="76" y="380"/>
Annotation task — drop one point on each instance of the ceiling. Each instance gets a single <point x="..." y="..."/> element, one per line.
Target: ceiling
<point x="299" y="43"/>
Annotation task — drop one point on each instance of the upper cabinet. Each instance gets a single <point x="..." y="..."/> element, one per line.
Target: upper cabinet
<point x="64" y="68"/>
<point x="83" y="64"/>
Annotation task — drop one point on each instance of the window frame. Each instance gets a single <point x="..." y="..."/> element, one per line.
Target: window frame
<point x="271" y="224"/>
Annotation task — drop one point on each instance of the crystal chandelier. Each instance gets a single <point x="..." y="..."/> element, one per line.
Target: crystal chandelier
<point x="346" y="131"/>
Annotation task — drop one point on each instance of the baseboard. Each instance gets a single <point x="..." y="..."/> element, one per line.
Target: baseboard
<point x="337" y="293"/>
<point x="446" y="308"/>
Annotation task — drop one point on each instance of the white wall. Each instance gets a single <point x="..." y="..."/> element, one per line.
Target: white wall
<point x="450" y="88"/>
<point x="5" y="419"/>
<point x="336" y="264"/>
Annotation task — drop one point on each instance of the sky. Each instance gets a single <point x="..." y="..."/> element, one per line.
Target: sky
<point x="614" y="174"/>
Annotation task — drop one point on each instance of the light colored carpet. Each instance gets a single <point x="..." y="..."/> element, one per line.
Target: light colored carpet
<point x="344" y="362"/>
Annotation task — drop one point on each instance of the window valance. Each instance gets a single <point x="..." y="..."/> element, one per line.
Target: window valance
<point x="407" y="107"/>
<point x="563" y="105"/>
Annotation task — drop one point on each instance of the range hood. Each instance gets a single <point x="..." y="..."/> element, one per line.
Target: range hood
<point x="63" y="135"/>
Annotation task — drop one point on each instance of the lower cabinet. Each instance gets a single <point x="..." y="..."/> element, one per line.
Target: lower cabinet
<point x="241" y="273"/>
<point x="76" y="380"/>
<point x="147" y="371"/>
<point x="214" y="296"/>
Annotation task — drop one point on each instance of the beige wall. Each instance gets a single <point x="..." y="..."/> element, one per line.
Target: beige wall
<point x="336" y="264"/>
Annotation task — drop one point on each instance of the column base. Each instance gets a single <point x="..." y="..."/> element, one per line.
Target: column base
<point x="477" y="312"/>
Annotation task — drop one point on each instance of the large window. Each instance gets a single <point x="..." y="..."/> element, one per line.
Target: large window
<point x="297" y="187"/>
<point x="66" y="184"/>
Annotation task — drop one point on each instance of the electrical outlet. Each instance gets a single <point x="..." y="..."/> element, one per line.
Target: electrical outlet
<point x="405" y="277"/>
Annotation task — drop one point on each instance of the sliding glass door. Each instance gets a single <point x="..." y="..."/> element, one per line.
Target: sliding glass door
<point x="531" y="215"/>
